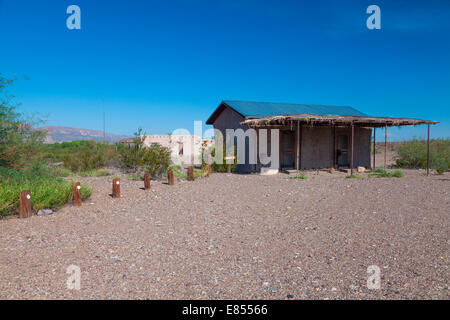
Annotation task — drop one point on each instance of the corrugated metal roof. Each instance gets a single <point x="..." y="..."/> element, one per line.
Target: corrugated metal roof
<point x="253" y="109"/>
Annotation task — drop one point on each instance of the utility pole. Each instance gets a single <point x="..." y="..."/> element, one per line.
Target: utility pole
<point x="104" y="122"/>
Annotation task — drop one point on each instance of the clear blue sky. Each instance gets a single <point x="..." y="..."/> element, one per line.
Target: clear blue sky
<point x="163" y="64"/>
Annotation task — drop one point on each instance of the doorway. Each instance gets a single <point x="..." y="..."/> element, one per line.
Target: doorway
<point x="343" y="150"/>
<point x="287" y="149"/>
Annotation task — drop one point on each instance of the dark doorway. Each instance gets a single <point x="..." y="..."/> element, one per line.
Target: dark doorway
<point x="287" y="149"/>
<point x="343" y="150"/>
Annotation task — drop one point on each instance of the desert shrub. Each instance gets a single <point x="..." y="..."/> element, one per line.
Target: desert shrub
<point x="47" y="190"/>
<point x="155" y="159"/>
<point x="381" y="173"/>
<point x="413" y="154"/>
<point x="19" y="142"/>
<point x="398" y="174"/>
<point x="62" y="172"/>
<point x="301" y="176"/>
<point x="440" y="171"/>
<point x="219" y="167"/>
<point x="94" y="173"/>
<point x="89" y="155"/>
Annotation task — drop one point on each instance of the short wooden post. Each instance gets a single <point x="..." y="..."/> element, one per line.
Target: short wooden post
<point x="77" y="194"/>
<point x="208" y="170"/>
<point x="170" y="177"/>
<point x="116" y="188"/>
<point x="190" y="176"/>
<point x="229" y="168"/>
<point x="25" y="205"/>
<point x="147" y="181"/>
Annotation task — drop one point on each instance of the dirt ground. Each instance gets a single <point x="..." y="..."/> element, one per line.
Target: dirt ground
<point x="238" y="237"/>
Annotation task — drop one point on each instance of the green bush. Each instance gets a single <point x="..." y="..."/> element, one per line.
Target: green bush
<point x="440" y="171"/>
<point x="300" y="176"/>
<point x="381" y="173"/>
<point x="413" y="154"/>
<point x="219" y="167"/>
<point x="88" y="155"/>
<point x="155" y="159"/>
<point x="47" y="190"/>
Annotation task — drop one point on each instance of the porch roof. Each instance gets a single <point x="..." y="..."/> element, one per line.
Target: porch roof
<point x="334" y="120"/>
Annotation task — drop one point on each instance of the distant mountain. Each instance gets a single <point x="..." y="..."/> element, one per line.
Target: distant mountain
<point x="67" y="134"/>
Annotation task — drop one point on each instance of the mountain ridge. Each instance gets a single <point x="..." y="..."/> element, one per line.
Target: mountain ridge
<point x="67" y="134"/>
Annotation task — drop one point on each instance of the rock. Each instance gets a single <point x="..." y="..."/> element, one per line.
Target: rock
<point x="361" y="169"/>
<point x="45" y="212"/>
<point x="332" y="170"/>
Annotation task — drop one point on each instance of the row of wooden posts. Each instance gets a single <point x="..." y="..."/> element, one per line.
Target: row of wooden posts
<point x="25" y="196"/>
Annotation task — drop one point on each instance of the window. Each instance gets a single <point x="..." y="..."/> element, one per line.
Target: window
<point x="180" y="148"/>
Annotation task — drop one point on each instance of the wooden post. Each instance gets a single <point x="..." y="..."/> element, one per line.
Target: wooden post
<point x="116" y="188"/>
<point x="208" y="170"/>
<point x="147" y="181"/>
<point x="229" y="168"/>
<point x="334" y="148"/>
<point x="25" y="205"/>
<point x="190" y="175"/>
<point x="428" y="151"/>
<point x="77" y="194"/>
<point x="374" y="167"/>
<point x="170" y="177"/>
<point x="298" y="146"/>
<point x="385" y="146"/>
<point x="351" y="158"/>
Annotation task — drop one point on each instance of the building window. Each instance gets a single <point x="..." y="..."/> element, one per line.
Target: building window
<point x="180" y="148"/>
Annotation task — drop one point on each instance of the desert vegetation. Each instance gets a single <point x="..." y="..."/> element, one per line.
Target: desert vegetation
<point x="21" y="165"/>
<point x="413" y="154"/>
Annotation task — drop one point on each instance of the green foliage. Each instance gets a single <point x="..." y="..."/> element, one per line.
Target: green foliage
<point x="413" y="154"/>
<point x="47" y="190"/>
<point x="440" y="171"/>
<point x="219" y="167"/>
<point x="84" y="156"/>
<point x="94" y="173"/>
<point x="155" y="159"/>
<point x="19" y="142"/>
<point x="352" y="176"/>
<point x="62" y="172"/>
<point x="381" y="173"/>
<point x="301" y="176"/>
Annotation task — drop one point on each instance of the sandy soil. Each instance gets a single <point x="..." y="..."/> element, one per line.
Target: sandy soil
<point x="238" y="236"/>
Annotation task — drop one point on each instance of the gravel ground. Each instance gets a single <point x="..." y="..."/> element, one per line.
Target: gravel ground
<point x="238" y="237"/>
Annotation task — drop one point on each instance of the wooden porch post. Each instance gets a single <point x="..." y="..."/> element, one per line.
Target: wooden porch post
<point x="385" y="146"/>
<point x="428" y="151"/>
<point x="298" y="146"/>
<point x="374" y="148"/>
<point x="351" y="158"/>
<point x="334" y="148"/>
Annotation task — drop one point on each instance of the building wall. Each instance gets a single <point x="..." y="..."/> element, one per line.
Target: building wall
<point x="230" y="119"/>
<point x="317" y="144"/>
<point x="192" y="147"/>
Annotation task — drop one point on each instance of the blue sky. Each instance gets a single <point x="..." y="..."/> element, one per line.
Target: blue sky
<point x="163" y="64"/>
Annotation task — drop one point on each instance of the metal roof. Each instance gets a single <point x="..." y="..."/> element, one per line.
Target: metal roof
<point x="252" y="109"/>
